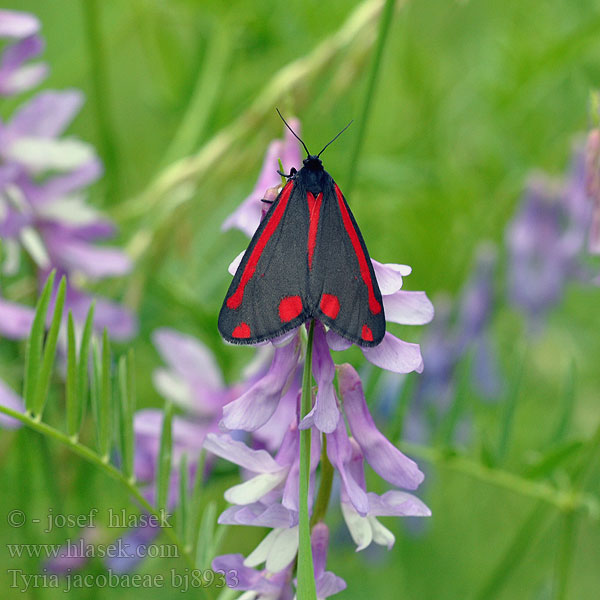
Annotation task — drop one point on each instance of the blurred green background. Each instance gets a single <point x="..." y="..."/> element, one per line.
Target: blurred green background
<point x="472" y="96"/>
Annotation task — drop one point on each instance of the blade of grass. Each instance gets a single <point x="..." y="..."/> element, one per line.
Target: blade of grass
<point x="182" y="512"/>
<point x="384" y="28"/>
<point x="191" y="540"/>
<point x="73" y="400"/>
<point x="96" y="390"/>
<point x="49" y="354"/>
<point x="126" y="418"/>
<point x="510" y="407"/>
<point x="567" y="406"/>
<point x="33" y="352"/>
<point x="83" y="364"/>
<point x="105" y="412"/>
<point x="164" y="459"/>
<point x="204" y="96"/>
<point x="206" y="532"/>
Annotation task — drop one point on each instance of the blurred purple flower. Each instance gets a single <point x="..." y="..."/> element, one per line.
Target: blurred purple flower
<point x="592" y="178"/>
<point x="12" y="400"/>
<point x="15" y="75"/>
<point x="546" y="240"/>
<point x="42" y="180"/>
<point x="248" y="215"/>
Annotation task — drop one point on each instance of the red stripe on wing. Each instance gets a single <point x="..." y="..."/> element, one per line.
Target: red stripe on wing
<point x="314" y="210"/>
<point x="365" y="273"/>
<point x="236" y="298"/>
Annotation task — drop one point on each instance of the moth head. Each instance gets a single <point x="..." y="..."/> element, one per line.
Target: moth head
<point x="313" y="163"/>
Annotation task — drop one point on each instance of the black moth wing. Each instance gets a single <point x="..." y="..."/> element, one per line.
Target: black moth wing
<point x="272" y="277"/>
<point x="343" y="287"/>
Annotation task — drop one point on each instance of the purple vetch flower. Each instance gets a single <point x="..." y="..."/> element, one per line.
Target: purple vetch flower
<point x="546" y="240"/>
<point x="21" y="29"/>
<point x="270" y="496"/>
<point x="592" y="180"/>
<point x="43" y="177"/>
<point x="278" y="548"/>
<point x="248" y="215"/>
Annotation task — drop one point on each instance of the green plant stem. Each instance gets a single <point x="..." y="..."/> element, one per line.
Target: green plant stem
<point x="564" y="500"/>
<point x="564" y="557"/>
<point x="384" y="28"/>
<point x="306" y="580"/>
<point x="515" y="552"/>
<point x="95" y="459"/>
<point x="324" y="493"/>
<point x="101" y="91"/>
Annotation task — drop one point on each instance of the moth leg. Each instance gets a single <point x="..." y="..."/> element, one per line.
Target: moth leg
<point x="292" y="173"/>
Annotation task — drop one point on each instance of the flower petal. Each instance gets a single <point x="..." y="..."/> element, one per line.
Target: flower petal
<point x="10" y="399"/>
<point x="324" y="414"/>
<point x="15" y="320"/>
<point x="257" y="405"/>
<point x="408" y="308"/>
<point x="283" y="550"/>
<point x="259" y="515"/>
<point x="379" y="452"/>
<point x="389" y="276"/>
<point x="381" y="535"/>
<point x="235" y="263"/>
<point x="78" y="255"/>
<point x="17" y="24"/>
<point x="396" y="504"/>
<point x="395" y="355"/>
<point x="359" y="527"/>
<point x="46" y="115"/>
<point x="255" y="488"/>
<point x="339" y="452"/>
<point x="336" y="342"/>
<point x="188" y="357"/>
<point x="258" y="461"/>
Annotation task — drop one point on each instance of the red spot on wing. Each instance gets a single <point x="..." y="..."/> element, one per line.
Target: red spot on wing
<point x="330" y="305"/>
<point x="314" y="210"/>
<point x="290" y="308"/>
<point x="236" y="298"/>
<point x="242" y="331"/>
<point x="365" y="273"/>
<point x="367" y="334"/>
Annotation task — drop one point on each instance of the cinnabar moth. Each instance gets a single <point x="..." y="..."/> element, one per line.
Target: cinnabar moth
<point x="306" y="260"/>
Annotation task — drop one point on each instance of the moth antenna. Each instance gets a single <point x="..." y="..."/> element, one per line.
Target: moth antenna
<point x="335" y="138"/>
<point x="293" y="132"/>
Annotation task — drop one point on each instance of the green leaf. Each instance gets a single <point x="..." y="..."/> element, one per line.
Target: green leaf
<point x="567" y="406"/>
<point x="33" y="352"/>
<point x="83" y="366"/>
<point x="96" y="390"/>
<point x="182" y="512"/>
<point x="126" y="409"/>
<point x="105" y="399"/>
<point x="205" y="548"/>
<point x="510" y="407"/>
<point x="545" y="465"/>
<point x="164" y="458"/>
<point x="73" y="400"/>
<point x="49" y="354"/>
<point x="192" y="532"/>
